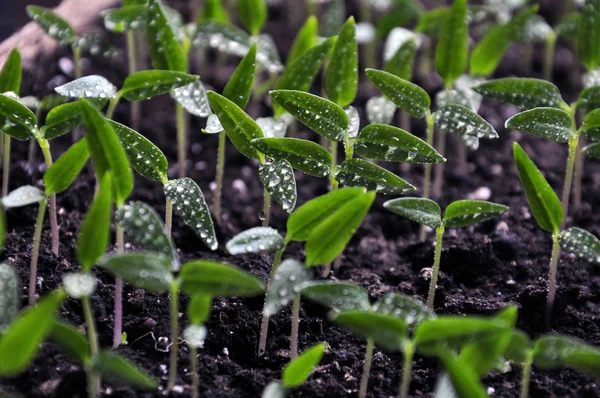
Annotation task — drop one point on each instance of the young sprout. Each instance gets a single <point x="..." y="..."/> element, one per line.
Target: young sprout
<point x="546" y="209"/>
<point x="198" y="311"/>
<point x="459" y="214"/>
<point x="10" y="84"/>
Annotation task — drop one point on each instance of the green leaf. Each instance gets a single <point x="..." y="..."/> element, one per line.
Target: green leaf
<point x="300" y="74"/>
<point x="10" y="298"/>
<point x="463" y="121"/>
<point x="525" y="93"/>
<point x="279" y="180"/>
<point x="383" y="142"/>
<point x="125" y="19"/>
<point x="23" y="196"/>
<point x="592" y="150"/>
<point x="421" y="210"/>
<point x="302" y="222"/>
<point x="107" y="152"/>
<point x="92" y="86"/>
<point x="591" y="125"/>
<point x="581" y="243"/>
<point x="240" y="128"/>
<point x="407" y="96"/>
<point x="148" y="271"/>
<point x="463" y="213"/>
<point x="330" y="237"/>
<point x="568" y="26"/>
<point x="193" y="99"/>
<point x="62" y="120"/>
<point x="340" y="295"/>
<point x="198" y="309"/>
<point x="10" y="76"/>
<point x="213" y="10"/>
<point x="519" y="347"/>
<point x="455" y="330"/>
<point x="239" y="86"/>
<point x="403" y="307"/>
<point x="22" y="123"/>
<point x="287" y="283"/>
<point x="119" y="370"/>
<point x="253" y="14"/>
<point x="255" y="240"/>
<point x="341" y="76"/>
<point x="550" y="123"/>
<point x="143" y="155"/>
<point x="306" y="39"/>
<point x="360" y="173"/>
<point x="544" y="203"/>
<point x="387" y="332"/>
<point x="189" y="202"/>
<point x="464" y="379"/>
<point x="22" y="339"/>
<point x="431" y="21"/>
<point x="296" y="372"/>
<point x="304" y="155"/>
<point x="218" y="280"/>
<point x="96" y="45"/>
<point x="588" y="35"/>
<point x="589" y="99"/>
<point x="556" y="351"/>
<point x="95" y="229"/>
<point x="63" y="172"/>
<point x="145" y="228"/>
<point x="223" y="36"/>
<point x="149" y="83"/>
<point x="402" y="63"/>
<point x="452" y="53"/>
<point x="52" y="24"/>
<point x="323" y="116"/>
<point x="165" y="51"/>
<point x="70" y="341"/>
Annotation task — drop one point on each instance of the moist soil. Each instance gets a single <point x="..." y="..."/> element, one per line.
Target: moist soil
<point x="483" y="268"/>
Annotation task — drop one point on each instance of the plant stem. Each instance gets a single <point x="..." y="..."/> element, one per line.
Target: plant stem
<point x="266" y="208"/>
<point x="112" y="106"/>
<point x="427" y="175"/>
<point x="264" y="327"/>
<point x="219" y="175"/>
<point x="295" y="323"/>
<point x="6" y="165"/>
<point x="578" y="174"/>
<point x="334" y="183"/>
<point x="409" y="352"/>
<point x="364" y="380"/>
<point x="573" y="144"/>
<point x="35" y="251"/>
<point x="135" y="106"/>
<point x="462" y="154"/>
<point x="168" y="217"/>
<point x="526" y="377"/>
<point x="348" y="147"/>
<point x="527" y="59"/>
<point x="45" y="146"/>
<point x="365" y="15"/>
<point x="181" y="139"/>
<point x="76" y="59"/>
<point x="194" y="366"/>
<point x="552" y="278"/>
<point x="548" y="56"/>
<point x="436" y="266"/>
<point x="440" y="167"/>
<point x="118" y="311"/>
<point x="174" y="336"/>
<point x="93" y="379"/>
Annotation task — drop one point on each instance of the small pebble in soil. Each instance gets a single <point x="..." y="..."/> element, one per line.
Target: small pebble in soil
<point x="426" y="273"/>
<point x="225" y="351"/>
<point x="150" y="323"/>
<point x="502" y="227"/>
<point x="491" y="390"/>
<point x="240" y="185"/>
<point x="511" y="282"/>
<point x="212" y="186"/>
<point x="66" y="66"/>
<point x="163" y="368"/>
<point x="481" y="193"/>
<point x="200" y="166"/>
<point x="178" y="389"/>
<point x="496" y="169"/>
<point x="525" y="213"/>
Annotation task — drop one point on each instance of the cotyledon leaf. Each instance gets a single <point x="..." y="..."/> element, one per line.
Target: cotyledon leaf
<point x="361" y="173"/>
<point x="223" y="36"/>
<point x="386" y="331"/>
<point x="297" y="371"/>
<point x="61" y="120"/>
<point x="189" y="202"/>
<point x="581" y="243"/>
<point x="463" y="213"/>
<point x="23" y="196"/>
<point x="403" y="307"/>
<point x="341" y="296"/>
<point x="288" y="280"/>
<point x="92" y="86"/>
<point x="129" y="18"/>
<point x="588" y="34"/>
<point x="121" y="371"/>
<point x="421" y="210"/>
<point x="149" y="83"/>
<point x="218" y="280"/>
<point x="266" y="53"/>
<point x="9" y="295"/>
<point x="593" y="150"/>
<point x="461" y="120"/>
<point x="145" y="270"/>
<point x="304" y="155"/>
<point x="278" y="179"/>
<point x="589" y="99"/>
<point x="407" y="96"/>
<point x="306" y="39"/>
<point x="452" y="52"/>
<point x="63" y="172"/>
<point x="525" y="93"/>
<point x="341" y="76"/>
<point x="240" y="83"/>
<point x="165" y="51"/>
<point x="21" y="122"/>
<point x="591" y="125"/>
<point x="554" y="351"/>
<point x="52" y="24"/>
<point x="551" y="123"/>
<point x="193" y="98"/>
<point x="95" y="44"/>
<point x="255" y="240"/>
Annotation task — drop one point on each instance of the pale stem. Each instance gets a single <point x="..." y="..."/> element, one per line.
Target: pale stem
<point x="334" y="183"/>
<point x="527" y="59"/>
<point x="135" y="106"/>
<point x="174" y="336"/>
<point x="266" y="208"/>
<point x="526" y="377"/>
<point x="93" y="378"/>
<point x="219" y="176"/>
<point x="76" y="62"/>
<point x="436" y="266"/>
<point x="45" y="146"/>
<point x="440" y="167"/>
<point x="370" y="59"/>
<point x="194" y="366"/>
<point x="2" y="135"/>
<point x="168" y="217"/>
<point x="409" y="352"/>
<point x="35" y="251"/>
<point x="118" y="310"/>
<point x="181" y="139"/>
<point x="31" y="151"/>
<point x="264" y="327"/>
<point x="566" y="193"/>
<point x="552" y="278"/>
<point x="426" y="59"/>
<point x="364" y="380"/>
<point x="548" y="56"/>
<point x="295" y="324"/>
<point x="112" y="105"/>
<point x="6" y="165"/>
<point x="461" y="154"/>
<point x="427" y="175"/>
<point x="579" y="165"/>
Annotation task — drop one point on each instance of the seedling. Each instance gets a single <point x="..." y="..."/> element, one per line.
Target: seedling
<point x="580" y="243"/>
<point x="459" y="214"/>
<point x="198" y="311"/>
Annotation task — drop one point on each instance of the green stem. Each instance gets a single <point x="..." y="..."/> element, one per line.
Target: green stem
<point x="181" y="139"/>
<point x="526" y="377"/>
<point x="118" y="310"/>
<point x="527" y="59"/>
<point x="35" y="251"/>
<point x="549" y="56"/>
<point x="168" y="217"/>
<point x="174" y="336"/>
<point x="440" y="167"/>
<point x="93" y="378"/>
<point x="219" y="175"/>
<point x="578" y="175"/>
<point x="566" y="193"/>
<point x="364" y="380"/>
<point x="264" y="327"/>
<point x="334" y="183"/>
<point x="6" y="165"/>
<point x="45" y="146"/>
<point x="295" y="326"/>
<point x="427" y="174"/>
<point x="553" y="270"/>
<point x="194" y="366"/>
<point x="266" y="208"/>
<point x="436" y="266"/>
<point x="111" y="107"/>
<point x="348" y="147"/>
<point x="135" y="106"/>
<point x="76" y="62"/>
<point x="409" y="352"/>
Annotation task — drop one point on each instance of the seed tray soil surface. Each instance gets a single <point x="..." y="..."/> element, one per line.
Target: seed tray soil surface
<point x="483" y="269"/>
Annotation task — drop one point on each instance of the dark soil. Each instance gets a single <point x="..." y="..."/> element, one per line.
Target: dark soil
<point x="485" y="268"/>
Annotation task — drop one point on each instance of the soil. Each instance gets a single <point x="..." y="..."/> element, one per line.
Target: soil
<point x="485" y="268"/>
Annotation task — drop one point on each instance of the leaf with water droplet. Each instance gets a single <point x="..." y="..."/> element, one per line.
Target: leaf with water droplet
<point x="306" y="39"/>
<point x="341" y="76"/>
<point x="353" y="122"/>
<point x="125" y="19"/>
<point x="54" y="26"/>
<point x="402" y="62"/>
<point x="403" y="307"/>
<point x="592" y="150"/>
<point x="213" y="125"/>
<point x="383" y="142"/>
<point x="551" y="123"/>
<point x="240" y="128"/>
<point x="525" y="93"/>
<point x="387" y="332"/>
<point x="9" y="295"/>
<point x="461" y="120"/>
<point x="304" y="155"/>
<point x="591" y="126"/>
<point x="323" y="116"/>
<point x="589" y="99"/>
<point x="556" y="351"/>
<point x="452" y="52"/>
<point x="194" y="335"/>
<point x="143" y="155"/>
<point x="341" y="296"/>
<point x="193" y="99"/>
<point x="421" y="210"/>
<point x="198" y="309"/>
<point x="62" y="120"/>
<point x="588" y="35"/>
<point x="536" y="30"/>
<point x="463" y="213"/>
<point x="23" y="196"/>
<point x="218" y="280"/>
<point x="266" y="53"/>
<point x="297" y="371"/>
<point x="271" y="127"/>
<point x="581" y="243"/>
<point x="255" y="240"/>
<point x="189" y="203"/>
<point x="460" y="380"/>
<point x="79" y="284"/>
<point x="222" y="36"/>
<point x="10" y="75"/>
<point x="361" y="173"/>
<point x="92" y="86"/>
<point x="70" y="340"/>
<point x="518" y="348"/>
<point x="380" y="110"/>
<point x="544" y="202"/>
<point x="240" y="83"/>
<point x="148" y="271"/>
<point x="253" y="14"/>
<point x="150" y="83"/>
<point x="165" y="51"/>
<point x="21" y="123"/>
<point x="96" y="45"/>
<point x="331" y="235"/>
<point x="119" y="370"/>
<point x="279" y="180"/>
<point x="407" y="96"/>
<point x="63" y="172"/>
<point x="287" y="282"/>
